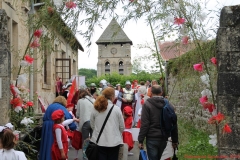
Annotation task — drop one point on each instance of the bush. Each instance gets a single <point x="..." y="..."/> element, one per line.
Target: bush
<point x="115" y="78"/>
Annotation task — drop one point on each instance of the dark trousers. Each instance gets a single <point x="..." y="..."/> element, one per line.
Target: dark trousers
<point x="155" y="149"/>
<point x="86" y="130"/>
<point x="108" y="153"/>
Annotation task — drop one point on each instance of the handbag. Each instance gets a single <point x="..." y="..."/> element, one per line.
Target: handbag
<point x="143" y="155"/>
<point x="77" y="140"/>
<point x="92" y="149"/>
<point x="123" y="152"/>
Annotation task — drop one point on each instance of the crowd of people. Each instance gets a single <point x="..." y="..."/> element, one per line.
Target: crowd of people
<point x="77" y="124"/>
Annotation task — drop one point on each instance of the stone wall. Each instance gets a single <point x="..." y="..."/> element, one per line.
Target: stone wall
<point x="228" y="98"/>
<point x="5" y="68"/>
<point x="184" y="94"/>
<point x="185" y="86"/>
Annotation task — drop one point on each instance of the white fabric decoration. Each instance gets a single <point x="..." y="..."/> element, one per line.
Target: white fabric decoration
<point x="169" y="19"/>
<point x="176" y="6"/>
<point x="206" y="92"/>
<point x="213" y="140"/>
<point x="205" y="79"/>
<point x="214" y="113"/>
<point x="17" y="109"/>
<point x="26" y="121"/>
<point x="24" y="63"/>
<point x="22" y="79"/>
<point x="58" y="3"/>
<point x="16" y="90"/>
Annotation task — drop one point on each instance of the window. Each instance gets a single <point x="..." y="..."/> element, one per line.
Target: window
<point x="107" y="67"/>
<point x="121" y="68"/>
<point x="63" y="68"/>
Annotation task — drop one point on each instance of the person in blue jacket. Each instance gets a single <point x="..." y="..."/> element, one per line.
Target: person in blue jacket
<point x="47" y="128"/>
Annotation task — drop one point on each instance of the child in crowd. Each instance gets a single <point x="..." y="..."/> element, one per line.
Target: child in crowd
<point x="7" y="143"/>
<point x="71" y="133"/>
<point x="60" y="138"/>
<point x="140" y="111"/>
<point x="127" y="135"/>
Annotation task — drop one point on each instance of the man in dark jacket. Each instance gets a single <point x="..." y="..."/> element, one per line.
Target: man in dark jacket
<point x="150" y="126"/>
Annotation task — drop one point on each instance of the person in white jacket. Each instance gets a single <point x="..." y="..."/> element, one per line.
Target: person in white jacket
<point x="111" y="138"/>
<point x="84" y="109"/>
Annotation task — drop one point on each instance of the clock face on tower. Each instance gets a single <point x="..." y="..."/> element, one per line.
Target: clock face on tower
<point x="113" y="50"/>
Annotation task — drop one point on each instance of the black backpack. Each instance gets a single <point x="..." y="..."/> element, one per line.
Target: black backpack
<point x="168" y="119"/>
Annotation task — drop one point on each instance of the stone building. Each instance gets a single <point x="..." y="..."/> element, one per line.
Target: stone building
<point x="114" y="51"/>
<point x="61" y="60"/>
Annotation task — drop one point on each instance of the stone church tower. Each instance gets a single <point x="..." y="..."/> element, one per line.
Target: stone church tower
<point x="114" y="51"/>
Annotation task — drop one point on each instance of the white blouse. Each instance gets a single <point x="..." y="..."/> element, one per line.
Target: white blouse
<point x="12" y="155"/>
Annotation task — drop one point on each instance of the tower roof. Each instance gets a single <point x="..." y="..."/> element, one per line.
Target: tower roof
<point x="113" y="34"/>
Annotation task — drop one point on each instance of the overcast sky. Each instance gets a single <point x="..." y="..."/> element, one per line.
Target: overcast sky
<point x="138" y="32"/>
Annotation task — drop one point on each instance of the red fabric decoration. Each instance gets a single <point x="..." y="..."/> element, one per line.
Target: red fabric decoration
<point x="127" y="110"/>
<point x="72" y="92"/>
<point x="38" y="33"/>
<point x="227" y="129"/>
<point x="185" y="39"/>
<point x="198" y="67"/>
<point x="29" y="59"/>
<point x="212" y="120"/>
<point x="58" y="114"/>
<point x="179" y="21"/>
<point x="29" y="103"/>
<point x="71" y="4"/>
<point x="203" y="99"/>
<point x="214" y="60"/>
<point x="219" y="117"/>
<point x="14" y="93"/>
<point x="208" y="106"/>
<point x="142" y="101"/>
<point x="16" y="102"/>
<point x="35" y="44"/>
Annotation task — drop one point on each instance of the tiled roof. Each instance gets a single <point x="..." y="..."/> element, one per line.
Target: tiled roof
<point x="170" y="50"/>
<point x="113" y="34"/>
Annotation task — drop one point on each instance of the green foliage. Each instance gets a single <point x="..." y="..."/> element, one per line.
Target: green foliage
<point x="184" y="64"/>
<point x="88" y="73"/>
<point x="193" y="142"/>
<point x="115" y="78"/>
<point x="27" y="147"/>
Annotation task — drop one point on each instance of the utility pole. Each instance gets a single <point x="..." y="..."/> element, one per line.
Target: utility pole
<point x="31" y="69"/>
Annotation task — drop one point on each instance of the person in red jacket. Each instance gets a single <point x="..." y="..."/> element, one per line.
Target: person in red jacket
<point x="60" y="139"/>
<point x="127" y="135"/>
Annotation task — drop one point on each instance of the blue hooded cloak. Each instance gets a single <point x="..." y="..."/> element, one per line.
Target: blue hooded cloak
<point x="47" y="130"/>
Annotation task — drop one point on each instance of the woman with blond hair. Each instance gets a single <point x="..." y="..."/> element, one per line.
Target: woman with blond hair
<point x="111" y="137"/>
<point x="47" y="132"/>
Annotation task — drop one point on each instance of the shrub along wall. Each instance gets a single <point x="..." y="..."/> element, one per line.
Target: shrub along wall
<point x="185" y="86"/>
<point x="115" y="78"/>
